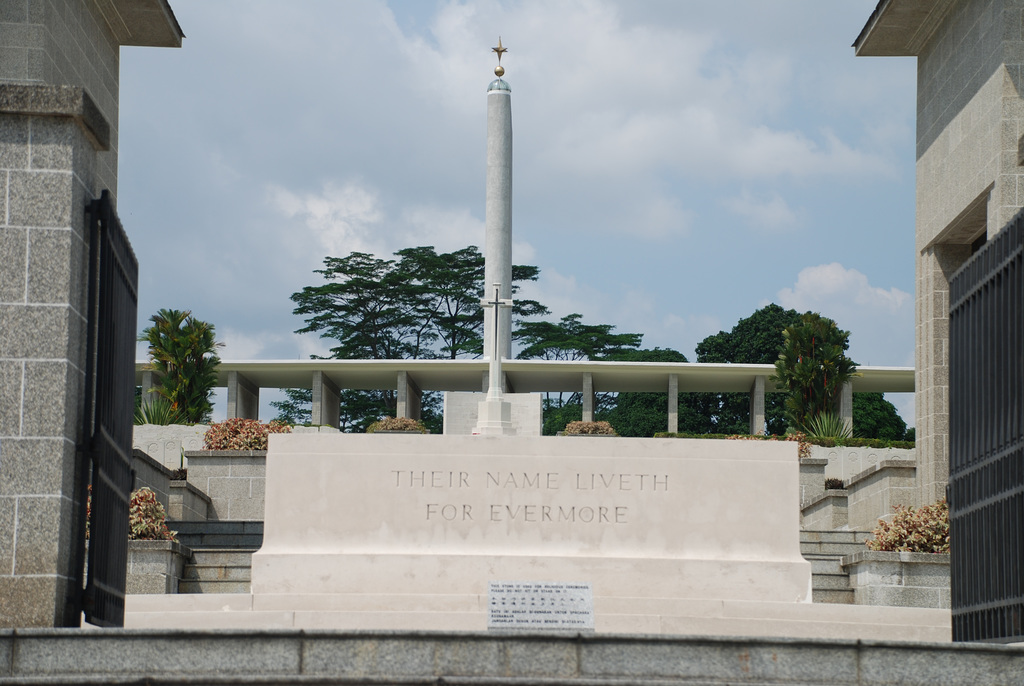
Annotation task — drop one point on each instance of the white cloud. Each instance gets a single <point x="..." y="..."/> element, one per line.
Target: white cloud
<point x="242" y="345"/>
<point x="768" y="211"/>
<point x="342" y="217"/>
<point x="880" y="321"/>
<point x="351" y="217"/>
<point x="446" y="229"/>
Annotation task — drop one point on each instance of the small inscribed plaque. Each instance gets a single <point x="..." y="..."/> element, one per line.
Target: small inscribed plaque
<point x="540" y="605"/>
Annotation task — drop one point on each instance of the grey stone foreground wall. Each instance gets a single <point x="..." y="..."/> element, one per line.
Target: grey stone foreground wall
<point x="65" y="656"/>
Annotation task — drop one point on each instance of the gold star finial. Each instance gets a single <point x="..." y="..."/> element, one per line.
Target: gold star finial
<point x="499" y="71"/>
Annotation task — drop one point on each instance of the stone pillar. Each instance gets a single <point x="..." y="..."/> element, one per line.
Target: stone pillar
<point x="409" y="397"/>
<point x="50" y="137"/>
<point x="59" y="67"/>
<point x="588" y="397"/>
<point x="757" y="418"/>
<point x="150" y="380"/>
<point x="935" y="266"/>
<point x="243" y="397"/>
<point x="673" y="403"/>
<point x="846" y="406"/>
<point x="498" y="215"/>
<point x="326" y="401"/>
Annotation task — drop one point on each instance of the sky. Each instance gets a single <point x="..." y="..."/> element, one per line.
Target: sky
<point x="677" y="164"/>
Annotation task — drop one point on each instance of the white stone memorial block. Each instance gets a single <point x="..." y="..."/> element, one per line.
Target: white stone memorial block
<point x="392" y="522"/>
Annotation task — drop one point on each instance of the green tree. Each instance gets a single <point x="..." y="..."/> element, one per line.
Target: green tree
<point x="556" y="415"/>
<point x="182" y="351"/>
<point x="296" y="408"/>
<point x="422" y="305"/>
<point x="812" y="367"/>
<point x="369" y="306"/>
<point x="571" y="339"/>
<point x="452" y="286"/>
<point x="753" y="340"/>
<point x="876" y="417"/>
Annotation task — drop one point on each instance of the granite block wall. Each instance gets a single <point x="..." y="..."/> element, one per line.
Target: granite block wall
<point x="47" y="175"/>
<point x="970" y="122"/>
<point x="877" y="490"/>
<point x="234" y="480"/>
<point x="64" y="42"/>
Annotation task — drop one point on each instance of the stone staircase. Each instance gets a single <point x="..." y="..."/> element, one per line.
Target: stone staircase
<point x="221" y="555"/>
<point x="824" y="549"/>
<point x="222" y="558"/>
<point x="217" y="570"/>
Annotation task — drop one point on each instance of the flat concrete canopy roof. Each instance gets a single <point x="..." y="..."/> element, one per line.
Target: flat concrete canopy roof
<point x="527" y="376"/>
<point x="149" y="23"/>
<point x="900" y="27"/>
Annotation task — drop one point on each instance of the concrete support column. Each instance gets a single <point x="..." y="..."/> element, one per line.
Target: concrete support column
<point x="935" y="266"/>
<point x="326" y="401"/>
<point x="150" y="380"/>
<point x="243" y="397"/>
<point x="846" y="406"/>
<point x="588" y="397"/>
<point x="757" y="418"/>
<point x="673" y="403"/>
<point x="410" y="397"/>
<point x="50" y="138"/>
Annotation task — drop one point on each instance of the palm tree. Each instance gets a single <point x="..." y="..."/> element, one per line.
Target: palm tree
<point x="182" y="352"/>
<point x="813" y="367"/>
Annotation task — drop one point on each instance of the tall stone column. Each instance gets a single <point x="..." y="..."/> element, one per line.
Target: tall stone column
<point x="50" y="137"/>
<point x="498" y="220"/>
<point x="935" y="266"/>
<point x="59" y="67"/>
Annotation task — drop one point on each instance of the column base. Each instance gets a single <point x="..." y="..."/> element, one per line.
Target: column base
<point x="494" y="419"/>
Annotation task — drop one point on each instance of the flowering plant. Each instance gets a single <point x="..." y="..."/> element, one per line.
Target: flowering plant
<point x="241" y="434"/>
<point x="589" y="429"/>
<point x="147" y="519"/>
<point x="924" y="530"/>
<point x="397" y="424"/>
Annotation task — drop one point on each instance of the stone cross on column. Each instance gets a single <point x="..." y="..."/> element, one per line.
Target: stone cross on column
<point x="495" y="385"/>
<point x="495" y="418"/>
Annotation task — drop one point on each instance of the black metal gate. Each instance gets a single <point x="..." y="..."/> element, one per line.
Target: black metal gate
<point x="986" y="441"/>
<point x="109" y="398"/>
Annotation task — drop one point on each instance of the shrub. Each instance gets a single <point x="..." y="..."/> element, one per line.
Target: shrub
<point x="803" y="447"/>
<point x="797" y="436"/>
<point x="147" y="519"/>
<point x="241" y="434"/>
<point x="397" y="424"/>
<point x="924" y="530"/>
<point x="833" y="483"/>
<point x="160" y="411"/>
<point x="828" y="425"/>
<point x="589" y="429"/>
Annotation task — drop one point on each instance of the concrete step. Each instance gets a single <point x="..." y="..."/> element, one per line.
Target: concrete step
<point x="825" y="565"/>
<point x="832" y="596"/>
<point x="833" y="543"/>
<point x="214" y="586"/>
<point x="830" y="582"/>
<point x="219" y="534"/>
<point x="217" y="573"/>
<point x="217" y="570"/>
<point x="222" y="556"/>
